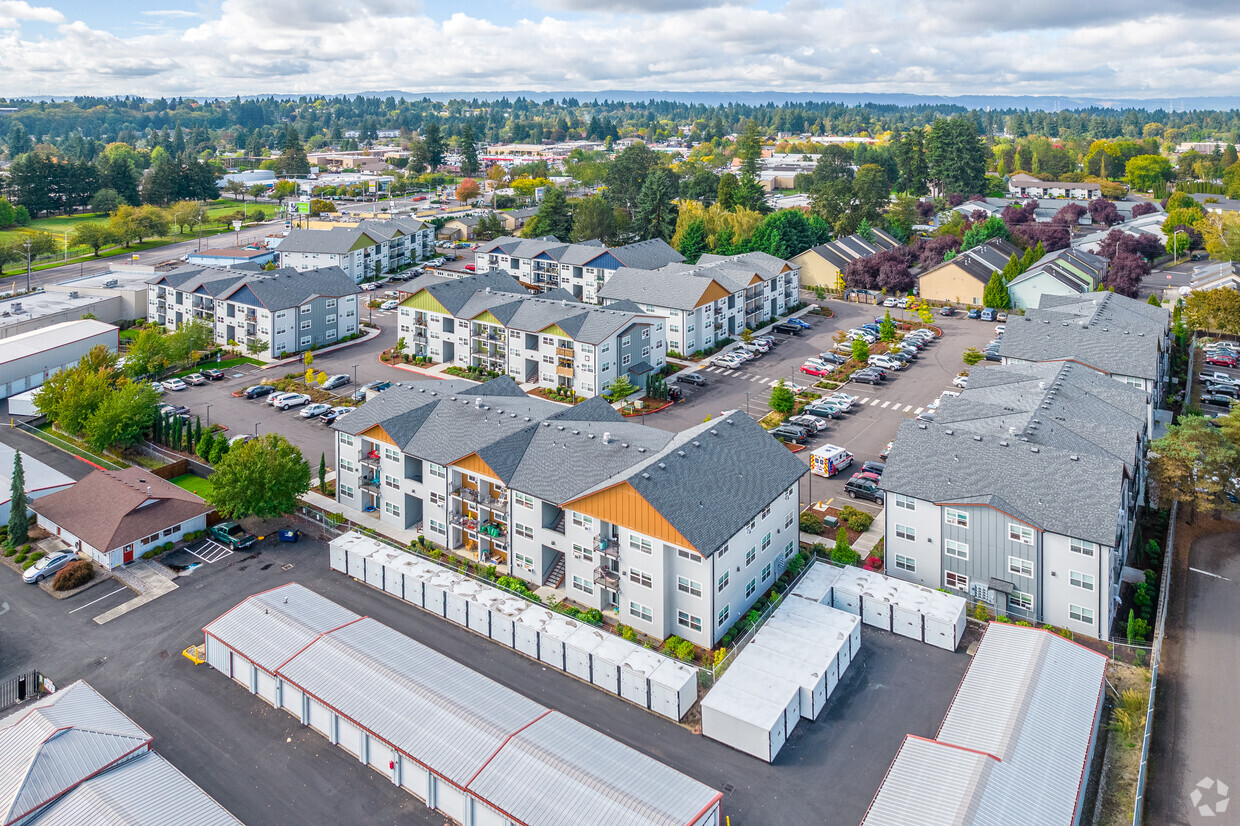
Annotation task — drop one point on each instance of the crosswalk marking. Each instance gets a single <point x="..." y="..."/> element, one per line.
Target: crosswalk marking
<point x="907" y="408"/>
<point x="876" y="401"/>
<point x="729" y="372"/>
<point x="918" y="411"/>
<point x="885" y="404"/>
<point x="863" y="401"/>
<point x="753" y="378"/>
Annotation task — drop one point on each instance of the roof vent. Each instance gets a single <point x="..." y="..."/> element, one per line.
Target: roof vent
<point x="697" y="444"/>
<point x="607" y="437"/>
<point x="576" y="432"/>
<point x="922" y="425"/>
<point x="949" y="431"/>
<point x="452" y="398"/>
<point x="589" y="435"/>
<point x="1003" y="442"/>
<point x="662" y="466"/>
<point x="977" y="438"/>
<point x="680" y="453"/>
<point x="1034" y="449"/>
<point x="559" y="427"/>
<point x="546" y="424"/>
<point x="640" y="449"/>
<point x="1075" y="458"/>
<point x="433" y="393"/>
<point x="645" y="475"/>
<point x="527" y="418"/>
<point x="714" y="433"/>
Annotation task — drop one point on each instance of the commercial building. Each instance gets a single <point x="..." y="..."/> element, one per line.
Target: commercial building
<point x="671" y="533"/>
<point x="1022" y="185"/>
<point x="552" y="340"/>
<point x="1019" y="737"/>
<point x="822" y="266"/>
<point x="73" y="758"/>
<point x="466" y="746"/>
<point x="963" y="279"/>
<point x="543" y="264"/>
<point x="28" y="359"/>
<point x="40" y="480"/>
<point x="1069" y="272"/>
<point x="280" y="311"/>
<point x="116" y="516"/>
<point x="362" y="250"/>
<point x="113" y="296"/>
<point x="1022" y="493"/>
<point x="232" y="256"/>
<point x="714" y="299"/>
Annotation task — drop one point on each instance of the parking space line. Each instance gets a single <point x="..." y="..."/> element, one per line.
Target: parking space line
<point x="753" y="377"/>
<point x="210" y="551"/>
<point x="907" y="408"/>
<point x="876" y="401"/>
<point x="918" y="411"/>
<point x="885" y="404"/>
<point x="101" y="599"/>
<point x="729" y="372"/>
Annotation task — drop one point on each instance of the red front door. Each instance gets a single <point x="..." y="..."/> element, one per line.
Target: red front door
<point x="128" y="554"/>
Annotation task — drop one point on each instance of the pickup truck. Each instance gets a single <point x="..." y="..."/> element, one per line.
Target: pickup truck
<point x="232" y="535"/>
<point x="1217" y="377"/>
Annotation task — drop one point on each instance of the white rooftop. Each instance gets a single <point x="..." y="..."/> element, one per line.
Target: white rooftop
<point x="38" y="475"/>
<point x="34" y="342"/>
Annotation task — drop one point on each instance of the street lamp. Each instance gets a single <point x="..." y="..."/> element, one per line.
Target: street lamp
<point x="1175" y="247"/>
<point x="256" y="424"/>
<point x="26" y="244"/>
<point x="208" y="417"/>
<point x="355" y="374"/>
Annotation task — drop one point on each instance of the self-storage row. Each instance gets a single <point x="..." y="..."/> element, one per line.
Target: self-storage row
<point x="639" y="675"/>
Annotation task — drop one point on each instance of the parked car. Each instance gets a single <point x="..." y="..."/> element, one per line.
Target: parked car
<point x="211" y="374"/>
<point x="258" y="391"/>
<point x="865" y="488"/>
<point x="312" y="411"/>
<point x="947" y="311"/>
<point x="169" y="411"/>
<point x="232" y="535"/>
<point x="832" y="358"/>
<point x="1223" y="389"/>
<point x="756" y="348"/>
<point x="174" y="384"/>
<point x="377" y="386"/>
<point x="158" y="388"/>
<point x="988" y="314"/>
<point x="837" y="406"/>
<point x="286" y="400"/>
<point x="800" y="322"/>
<point x="338" y="380"/>
<point x="876" y="468"/>
<point x="728" y="360"/>
<point x="47" y="566"/>
<point x="1218" y="399"/>
<point x="867" y="377"/>
<point x="1221" y="360"/>
<point x="241" y="439"/>
<point x="890" y="302"/>
<point x="885" y="452"/>
<point x="886" y="362"/>
<point x="691" y="378"/>
<point x="797" y="389"/>
<point x="905" y="357"/>
<point x="791" y="433"/>
<point x="960" y="381"/>
<point x="1218" y="377"/>
<point x="993" y="355"/>
<point x="840" y="395"/>
<point x="788" y="329"/>
<point x="195" y="379"/>
<point x="816" y="369"/>
<point x="814" y="424"/>
<point x="390" y="304"/>
<point x="1000" y="316"/>
<point x="822" y="411"/>
<point x="334" y="414"/>
<point x="975" y="313"/>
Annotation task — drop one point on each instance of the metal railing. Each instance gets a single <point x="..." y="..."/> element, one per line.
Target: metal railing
<point x="23" y="687"/>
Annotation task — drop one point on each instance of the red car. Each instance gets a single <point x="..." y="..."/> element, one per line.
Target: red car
<point x="811" y="370"/>
<point x="1221" y="360"/>
<point x="469" y="267"/>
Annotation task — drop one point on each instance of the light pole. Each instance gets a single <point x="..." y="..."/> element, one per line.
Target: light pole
<point x="1175" y="247"/>
<point x="66" y="245"/>
<point x="26" y="244"/>
<point x="355" y="374"/>
<point x="208" y="417"/>
<point x="256" y="424"/>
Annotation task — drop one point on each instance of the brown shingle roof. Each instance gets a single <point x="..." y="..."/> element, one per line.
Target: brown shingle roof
<point x="109" y="509"/>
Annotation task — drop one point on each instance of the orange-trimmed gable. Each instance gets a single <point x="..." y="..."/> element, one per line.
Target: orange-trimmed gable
<point x="713" y="292"/>
<point x="622" y="505"/>
<point x="473" y="464"/>
<point x="378" y="434"/>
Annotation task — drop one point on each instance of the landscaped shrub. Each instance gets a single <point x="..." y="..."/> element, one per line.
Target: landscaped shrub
<point x="73" y="575"/>
<point x="627" y="633"/>
<point x="9" y="551"/>
<point x="594" y="616"/>
<point x="811" y="523"/>
<point x="980" y="612"/>
<point x="858" y="520"/>
<point x="36" y="556"/>
<point x="20" y="558"/>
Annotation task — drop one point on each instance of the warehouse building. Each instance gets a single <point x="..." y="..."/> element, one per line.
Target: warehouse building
<point x="28" y="359"/>
<point x="1017" y="742"/>
<point x="40" y="479"/>
<point x="74" y="758"/>
<point x="464" y="745"/>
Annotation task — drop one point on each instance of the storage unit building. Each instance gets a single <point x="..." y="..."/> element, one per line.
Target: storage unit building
<point x="751" y="711"/>
<point x="906" y="608"/>
<point x="466" y="746"/>
<point x="28" y="359"/>
<point x="654" y="681"/>
<point x="817" y="584"/>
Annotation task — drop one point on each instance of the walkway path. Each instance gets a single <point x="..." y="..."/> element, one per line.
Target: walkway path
<point x="143" y="576"/>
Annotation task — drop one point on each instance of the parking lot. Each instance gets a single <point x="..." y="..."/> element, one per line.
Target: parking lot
<point x="214" y="731"/>
<point x="871" y="424"/>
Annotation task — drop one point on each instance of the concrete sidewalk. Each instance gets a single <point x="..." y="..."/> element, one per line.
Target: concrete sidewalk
<point x="143" y="576"/>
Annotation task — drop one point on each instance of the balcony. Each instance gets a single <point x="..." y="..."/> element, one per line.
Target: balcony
<point x="560" y="370"/>
<point x="607" y="578"/>
<point x="607" y="546"/>
<point x="371" y="459"/>
<point x="483" y="335"/>
<point x="370" y="481"/>
<point x="564" y="352"/>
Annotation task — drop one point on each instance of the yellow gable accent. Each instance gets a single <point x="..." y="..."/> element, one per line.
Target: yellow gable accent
<point x="474" y="464"/>
<point x="555" y="330"/>
<point x="378" y="434"/>
<point x="713" y="292"/>
<point x="423" y="300"/>
<point x="757" y="279"/>
<point x="486" y="317"/>
<point x="363" y="241"/>
<point x="622" y="505"/>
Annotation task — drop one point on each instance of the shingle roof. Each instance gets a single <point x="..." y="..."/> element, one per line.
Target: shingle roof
<point x="274" y="289"/>
<point x="334" y="241"/>
<point x="109" y="509"/>
<point x="642" y="254"/>
<point x="1017" y="738"/>
<point x="946" y="465"/>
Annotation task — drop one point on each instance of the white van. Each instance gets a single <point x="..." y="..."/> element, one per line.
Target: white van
<point x="829" y="460"/>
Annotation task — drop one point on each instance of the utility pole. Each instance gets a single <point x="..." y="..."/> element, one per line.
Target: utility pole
<point x="26" y="244"/>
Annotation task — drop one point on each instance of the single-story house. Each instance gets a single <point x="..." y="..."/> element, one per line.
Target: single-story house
<point x="821" y="266"/>
<point x="116" y="516"/>
<point x="1062" y="272"/>
<point x="963" y="279"/>
<point x="1145" y="225"/>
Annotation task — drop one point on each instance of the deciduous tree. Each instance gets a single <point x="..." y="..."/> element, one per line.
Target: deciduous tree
<point x="264" y="478"/>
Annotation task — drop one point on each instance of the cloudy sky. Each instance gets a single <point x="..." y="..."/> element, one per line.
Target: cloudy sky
<point x="1108" y="48"/>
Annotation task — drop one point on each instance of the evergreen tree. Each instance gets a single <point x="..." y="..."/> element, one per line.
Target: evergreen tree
<point x="1028" y="259"/>
<point x="197" y="429"/>
<point x="996" y="292"/>
<point x="656" y="214"/>
<point x="322" y="473"/>
<point x="554" y="217"/>
<point x="1153" y="300"/>
<point x="205" y="445"/>
<point x="1038" y="252"/>
<point x="18" y="504"/>
<point x="469" y="151"/>
<point x="433" y="140"/>
<point x="1015" y="266"/>
<point x="293" y="159"/>
<point x="726" y="195"/>
<point x="693" y="243"/>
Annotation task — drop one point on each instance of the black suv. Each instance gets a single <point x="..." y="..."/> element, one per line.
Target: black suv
<point x="791" y="433"/>
<point x="258" y="391"/>
<point x="788" y="329"/>
<point x="860" y="487"/>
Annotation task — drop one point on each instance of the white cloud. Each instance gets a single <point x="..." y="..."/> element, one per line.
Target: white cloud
<point x="1140" y="48"/>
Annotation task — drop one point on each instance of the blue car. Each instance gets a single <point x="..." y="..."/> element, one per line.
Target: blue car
<point x="804" y="325"/>
<point x="988" y="314"/>
<point x="975" y="313"/>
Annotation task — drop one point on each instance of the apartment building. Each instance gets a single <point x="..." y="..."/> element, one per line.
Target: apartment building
<point x="543" y="264"/>
<point x="389" y="245"/>
<point x="716" y="298"/>
<point x="284" y="310"/>
<point x="491" y="321"/>
<point x="823" y="265"/>
<point x="963" y="279"/>
<point x="1068" y="272"/>
<point x="1022" y="185"/>
<point x="671" y="533"/>
<point x="1023" y="493"/>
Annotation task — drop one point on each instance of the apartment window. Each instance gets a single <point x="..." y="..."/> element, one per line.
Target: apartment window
<point x="765" y="512"/>
<point x="723" y="616"/>
<point x="524" y="561"/>
<point x="766" y="572"/>
<point x="438" y="499"/>
<point x="331" y="302"/>
<point x="624" y="342"/>
<point x="908" y="503"/>
<point x="606" y="366"/>
<point x="305" y="341"/>
<point x="583" y="585"/>
<point x="687" y="620"/>
<point x="548" y="340"/>
<point x="723" y="551"/>
<point x="346" y="439"/>
<point x="330" y="334"/>
<point x="640" y="543"/>
<point x="346" y="491"/>
<point x="750" y="556"/>
<point x="437" y="527"/>
<point x="646" y="333"/>
<point x="954" y="580"/>
<point x="958" y="518"/>
<point x="906" y="563"/>
<point x="436" y="470"/>
<point x="548" y="359"/>
<point x="305" y="325"/>
<point x="750" y="588"/>
<point x="305" y="309"/>
<point x="391" y="509"/>
<point x="959" y="550"/>
<point x="1021" y="567"/>
<point x="688" y="586"/>
<point x="1080" y="546"/>
<point x="1080" y="580"/>
<point x="580" y="521"/>
<point x="626" y="360"/>
<point x="391" y="482"/>
<point x="640" y="577"/>
<point x="788" y="522"/>
<point x="524" y="531"/>
<point x="346" y="466"/>
<point x="645" y="352"/>
<point x="1079" y="614"/>
<point x="1020" y="533"/>
<point x="905" y="532"/>
<point x="391" y="454"/>
<point x="723" y="581"/>
<point x="788" y="550"/>
<point x="1020" y="600"/>
<point x="606" y="348"/>
<point x="766" y="542"/>
<point x="584" y="554"/>
<point x="683" y="554"/>
<point x="641" y="612"/>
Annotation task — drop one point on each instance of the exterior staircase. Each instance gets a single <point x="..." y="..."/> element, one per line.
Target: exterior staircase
<point x="555" y="579"/>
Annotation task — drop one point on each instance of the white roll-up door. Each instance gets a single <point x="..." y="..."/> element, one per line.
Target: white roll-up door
<point x="350" y="737"/>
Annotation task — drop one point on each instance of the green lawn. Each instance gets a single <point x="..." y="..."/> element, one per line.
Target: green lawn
<point x="193" y="484"/>
<point x="222" y="365"/>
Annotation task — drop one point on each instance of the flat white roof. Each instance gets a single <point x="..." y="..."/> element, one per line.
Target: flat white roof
<point x="24" y="345"/>
<point x="38" y="476"/>
<point x="127" y="278"/>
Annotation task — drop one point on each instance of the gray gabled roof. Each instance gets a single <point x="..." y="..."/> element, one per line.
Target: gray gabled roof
<point x="649" y="254"/>
<point x="455" y="293"/>
<point x="1069" y="493"/>
<point x="334" y="241"/>
<point x="272" y="289"/>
